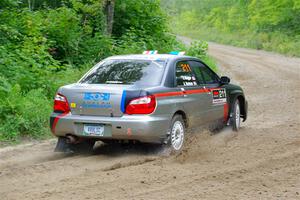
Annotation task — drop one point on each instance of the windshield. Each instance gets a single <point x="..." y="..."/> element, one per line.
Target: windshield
<point x="138" y="72"/>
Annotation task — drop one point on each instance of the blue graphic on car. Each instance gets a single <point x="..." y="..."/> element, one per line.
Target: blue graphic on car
<point x="96" y="96"/>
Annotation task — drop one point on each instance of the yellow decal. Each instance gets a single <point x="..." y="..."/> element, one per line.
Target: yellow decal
<point x="73" y="105"/>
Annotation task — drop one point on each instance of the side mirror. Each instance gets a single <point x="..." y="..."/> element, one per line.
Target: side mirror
<point x="225" y="80"/>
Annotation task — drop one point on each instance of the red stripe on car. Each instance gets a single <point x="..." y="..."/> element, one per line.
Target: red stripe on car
<point x="225" y="112"/>
<point x="168" y="94"/>
<point x="56" y="120"/>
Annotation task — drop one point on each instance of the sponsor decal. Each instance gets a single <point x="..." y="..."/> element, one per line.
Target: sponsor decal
<point x="96" y="96"/>
<point x="73" y="105"/>
<point x="219" y="96"/>
<point x="96" y="100"/>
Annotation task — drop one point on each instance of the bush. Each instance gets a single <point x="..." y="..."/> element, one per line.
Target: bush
<point x="198" y="49"/>
<point x="24" y="115"/>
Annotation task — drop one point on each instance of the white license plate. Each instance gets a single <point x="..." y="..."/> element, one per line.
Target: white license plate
<point x="93" y="130"/>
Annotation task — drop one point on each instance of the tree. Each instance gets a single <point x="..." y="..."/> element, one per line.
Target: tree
<point x="109" y="8"/>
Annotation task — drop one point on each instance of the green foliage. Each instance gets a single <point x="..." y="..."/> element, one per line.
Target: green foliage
<point x="48" y="43"/>
<point x="198" y="49"/>
<point x="141" y="25"/>
<point x="135" y="42"/>
<point x="143" y="15"/>
<point x="5" y="87"/>
<point x="274" y="15"/>
<point x="262" y="24"/>
<point x="7" y="3"/>
<point x="23" y="115"/>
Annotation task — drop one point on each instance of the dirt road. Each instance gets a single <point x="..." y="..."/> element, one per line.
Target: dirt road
<point x="262" y="161"/>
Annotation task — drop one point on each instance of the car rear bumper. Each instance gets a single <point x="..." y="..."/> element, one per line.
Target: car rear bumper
<point x="144" y="128"/>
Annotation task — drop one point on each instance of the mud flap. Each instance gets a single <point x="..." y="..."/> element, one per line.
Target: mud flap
<point x="63" y="146"/>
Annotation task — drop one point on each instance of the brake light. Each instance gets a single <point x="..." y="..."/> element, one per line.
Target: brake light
<point x="61" y="104"/>
<point x="141" y="105"/>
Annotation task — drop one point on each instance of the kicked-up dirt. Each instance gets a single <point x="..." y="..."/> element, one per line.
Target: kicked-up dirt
<point x="261" y="161"/>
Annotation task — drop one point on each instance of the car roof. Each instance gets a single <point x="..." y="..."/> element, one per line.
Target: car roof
<point x="147" y="57"/>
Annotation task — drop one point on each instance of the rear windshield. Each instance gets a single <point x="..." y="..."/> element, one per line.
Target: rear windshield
<point x="138" y="72"/>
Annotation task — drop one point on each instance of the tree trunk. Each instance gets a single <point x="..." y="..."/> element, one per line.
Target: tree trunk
<point x="29" y="5"/>
<point x="109" y="11"/>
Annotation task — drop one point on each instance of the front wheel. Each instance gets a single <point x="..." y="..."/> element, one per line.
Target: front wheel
<point x="236" y="116"/>
<point x="176" y="134"/>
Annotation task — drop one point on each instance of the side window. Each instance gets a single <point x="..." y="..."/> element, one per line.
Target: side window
<point x="209" y="76"/>
<point x="185" y="75"/>
<point x="196" y="66"/>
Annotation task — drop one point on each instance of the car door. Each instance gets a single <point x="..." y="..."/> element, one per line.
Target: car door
<point x="195" y="99"/>
<point x="216" y="94"/>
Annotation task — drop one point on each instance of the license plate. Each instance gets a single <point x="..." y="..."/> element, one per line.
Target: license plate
<point x="93" y="130"/>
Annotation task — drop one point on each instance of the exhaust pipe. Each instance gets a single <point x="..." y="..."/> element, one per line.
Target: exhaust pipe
<point x="72" y="139"/>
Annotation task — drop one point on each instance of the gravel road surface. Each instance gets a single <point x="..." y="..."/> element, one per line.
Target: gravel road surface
<point x="261" y="161"/>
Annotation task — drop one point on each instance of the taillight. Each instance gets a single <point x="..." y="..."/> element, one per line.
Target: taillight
<point x="61" y="104"/>
<point x="141" y="105"/>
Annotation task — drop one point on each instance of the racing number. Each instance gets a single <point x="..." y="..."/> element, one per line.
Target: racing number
<point x="219" y="96"/>
<point x="185" y="67"/>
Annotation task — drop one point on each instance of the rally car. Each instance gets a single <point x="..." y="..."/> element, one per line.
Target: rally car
<point x="149" y="98"/>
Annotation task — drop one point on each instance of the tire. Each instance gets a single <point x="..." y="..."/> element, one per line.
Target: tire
<point x="84" y="146"/>
<point x="236" y="116"/>
<point x="176" y="135"/>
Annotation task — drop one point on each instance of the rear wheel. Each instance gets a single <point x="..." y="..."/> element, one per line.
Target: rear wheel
<point x="176" y="134"/>
<point x="236" y="116"/>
